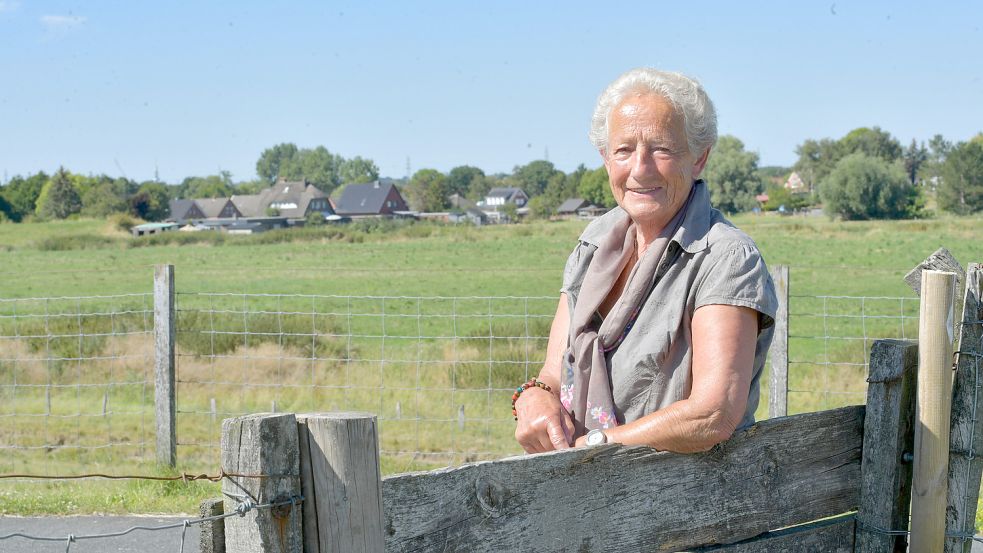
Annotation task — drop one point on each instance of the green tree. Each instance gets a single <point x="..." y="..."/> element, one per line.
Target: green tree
<point x="961" y="189"/>
<point x="779" y="196"/>
<point x="151" y="202"/>
<point x="104" y="198"/>
<point x="479" y="188"/>
<point x="915" y="156"/>
<point x="873" y="142"/>
<point x="212" y="186"/>
<point x="534" y="176"/>
<point x="5" y="210"/>
<point x="58" y="198"/>
<point x="428" y="190"/>
<point x="22" y="194"/>
<point x="731" y="174"/>
<point x="314" y="219"/>
<point x="595" y="188"/>
<point x="930" y="171"/>
<point x="510" y="212"/>
<point x="461" y="179"/>
<point x="816" y="159"/>
<point x="358" y="170"/>
<point x="272" y="160"/>
<point x="865" y="187"/>
<point x="317" y="166"/>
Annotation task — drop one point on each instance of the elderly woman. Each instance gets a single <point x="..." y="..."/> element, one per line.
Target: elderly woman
<point x="666" y="310"/>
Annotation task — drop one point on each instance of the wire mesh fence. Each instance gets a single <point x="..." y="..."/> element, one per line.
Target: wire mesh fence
<point x="76" y="374"/>
<point x="437" y="371"/>
<point x="76" y="381"/>
<point x="829" y="345"/>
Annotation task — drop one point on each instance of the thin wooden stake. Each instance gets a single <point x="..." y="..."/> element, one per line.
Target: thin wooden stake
<point x="929" y="484"/>
<point x="778" y="352"/>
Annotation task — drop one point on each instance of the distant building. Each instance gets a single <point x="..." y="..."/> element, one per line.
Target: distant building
<point x="794" y="184"/>
<point x="285" y="203"/>
<point x="152" y="228"/>
<point x="500" y="196"/>
<point x="218" y="208"/>
<point x="185" y="210"/>
<point x="569" y="207"/>
<point x="379" y="198"/>
<point x="294" y="200"/>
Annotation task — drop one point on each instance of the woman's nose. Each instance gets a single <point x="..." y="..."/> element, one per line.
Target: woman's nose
<point x="642" y="163"/>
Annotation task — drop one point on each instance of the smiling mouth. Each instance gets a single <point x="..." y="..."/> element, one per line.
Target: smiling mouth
<point x="644" y="190"/>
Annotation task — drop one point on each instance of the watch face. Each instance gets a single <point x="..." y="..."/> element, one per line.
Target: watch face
<point x="596" y="437"/>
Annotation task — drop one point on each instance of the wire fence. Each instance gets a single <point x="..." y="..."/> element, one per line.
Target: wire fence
<point x="829" y="345"/>
<point x="76" y="373"/>
<point x="76" y="381"/>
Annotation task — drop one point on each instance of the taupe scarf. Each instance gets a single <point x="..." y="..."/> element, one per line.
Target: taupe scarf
<point x="586" y="390"/>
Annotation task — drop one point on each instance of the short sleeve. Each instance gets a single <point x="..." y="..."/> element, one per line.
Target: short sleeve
<point x="576" y="268"/>
<point x="738" y="276"/>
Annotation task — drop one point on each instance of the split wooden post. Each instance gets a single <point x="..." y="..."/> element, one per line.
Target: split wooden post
<point x="263" y="447"/>
<point x="164" y="388"/>
<point x="212" y="536"/>
<point x="885" y="478"/>
<point x="966" y="434"/>
<point x="778" y="352"/>
<point x="935" y="335"/>
<point x="341" y="481"/>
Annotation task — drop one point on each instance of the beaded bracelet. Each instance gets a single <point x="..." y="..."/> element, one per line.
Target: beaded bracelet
<point x="533" y="383"/>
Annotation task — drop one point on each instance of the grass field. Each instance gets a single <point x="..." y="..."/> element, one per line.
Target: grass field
<point x="415" y="359"/>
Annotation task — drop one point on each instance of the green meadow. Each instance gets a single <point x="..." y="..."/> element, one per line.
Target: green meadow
<point x="428" y="326"/>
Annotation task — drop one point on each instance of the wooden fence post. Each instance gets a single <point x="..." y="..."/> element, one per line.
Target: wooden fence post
<point x="212" y="536"/>
<point x="966" y="434"/>
<point x="885" y="476"/>
<point x="341" y="481"/>
<point x="264" y="447"/>
<point x="164" y="391"/>
<point x="931" y="464"/>
<point x="778" y="352"/>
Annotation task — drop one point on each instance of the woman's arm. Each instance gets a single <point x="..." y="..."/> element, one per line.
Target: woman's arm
<point x="544" y="425"/>
<point x="724" y="339"/>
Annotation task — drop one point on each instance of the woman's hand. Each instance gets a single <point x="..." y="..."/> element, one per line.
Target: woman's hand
<point x="544" y="425"/>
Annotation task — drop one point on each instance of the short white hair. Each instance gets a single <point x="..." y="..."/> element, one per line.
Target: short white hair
<point x="684" y="93"/>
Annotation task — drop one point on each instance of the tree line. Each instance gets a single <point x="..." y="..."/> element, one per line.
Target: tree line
<point x="866" y="174"/>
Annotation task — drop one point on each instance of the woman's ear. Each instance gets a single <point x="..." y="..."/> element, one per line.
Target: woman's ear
<point x="700" y="164"/>
<point x="604" y="158"/>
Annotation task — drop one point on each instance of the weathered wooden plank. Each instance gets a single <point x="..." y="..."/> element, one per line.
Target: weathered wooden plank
<point x="940" y="260"/>
<point x="833" y="535"/>
<point x="778" y="352"/>
<point x="212" y="536"/>
<point x="934" y="410"/>
<point x="885" y="493"/>
<point x="165" y="404"/>
<point x="340" y="471"/>
<point x="778" y="473"/>
<point x="266" y="445"/>
<point x="966" y="433"/>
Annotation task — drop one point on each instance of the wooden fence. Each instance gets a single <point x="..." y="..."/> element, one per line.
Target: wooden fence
<point x="837" y="480"/>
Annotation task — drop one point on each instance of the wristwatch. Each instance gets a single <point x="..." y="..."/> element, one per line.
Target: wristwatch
<point x="596" y="437"/>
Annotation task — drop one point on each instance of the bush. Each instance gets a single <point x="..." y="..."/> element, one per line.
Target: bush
<point x="74" y="242"/>
<point x="863" y="187"/>
<point x="123" y="222"/>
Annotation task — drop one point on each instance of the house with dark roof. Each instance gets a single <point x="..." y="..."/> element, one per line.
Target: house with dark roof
<point x="379" y="198"/>
<point x="569" y="207"/>
<point x="294" y="200"/>
<point x="500" y="196"/>
<point x="185" y="210"/>
<point x="218" y="208"/>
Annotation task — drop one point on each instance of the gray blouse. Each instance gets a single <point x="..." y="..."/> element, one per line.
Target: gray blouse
<point x="708" y="261"/>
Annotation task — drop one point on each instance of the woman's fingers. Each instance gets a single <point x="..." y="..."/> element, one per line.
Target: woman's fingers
<point x="556" y="432"/>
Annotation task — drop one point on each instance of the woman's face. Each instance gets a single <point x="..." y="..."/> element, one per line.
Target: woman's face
<point x="650" y="167"/>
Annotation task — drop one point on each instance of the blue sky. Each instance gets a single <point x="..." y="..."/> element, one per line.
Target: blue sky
<point x="196" y="87"/>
